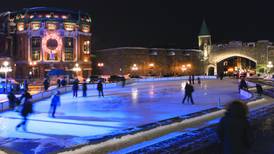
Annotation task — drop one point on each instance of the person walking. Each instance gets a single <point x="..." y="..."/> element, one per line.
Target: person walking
<point x="188" y="93"/>
<point x="26" y="110"/>
<point x="234" y="129"/>
<point x="46" y="84"/>
<point x="75" y="87"/>
<point x="100" y="89"/>
<point x="55" y="101"/>
<point x="84" y="88"/>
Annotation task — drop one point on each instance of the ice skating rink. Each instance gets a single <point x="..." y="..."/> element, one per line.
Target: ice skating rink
<point x="82" y="118"/>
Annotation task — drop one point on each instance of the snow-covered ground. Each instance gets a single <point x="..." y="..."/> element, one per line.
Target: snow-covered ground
<point x="78" y="119"/>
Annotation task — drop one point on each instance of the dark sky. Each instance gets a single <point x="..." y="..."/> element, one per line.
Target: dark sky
<point x="167" y="23"/>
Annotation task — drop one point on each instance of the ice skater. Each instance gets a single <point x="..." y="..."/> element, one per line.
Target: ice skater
<point x="193" y="78"/>
<point x="26" y="110"/>
<point x="46" y="84"/>
<point x="55" y="101"/>
<point x="199" y="80"/>
<point x="75" y="87"/>
<point x="84" y="88"/>
<point x="188" y="93"/>
<point x="100" y="89"/>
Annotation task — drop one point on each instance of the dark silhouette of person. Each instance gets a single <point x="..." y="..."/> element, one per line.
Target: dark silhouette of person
<point x="234" y="129"/>
<point x="221" y="76"/>
<point x="26" y="85"/>
<point x="188" y="93"/>
<point x="123" y="82"/>
<point x="75" y="87"/>
<point x="243" y="85"/>
<point x="12" y="100"/>
<point x="259" y="89"/>
<point x="63" y="82"/>
<point x="199" y="80"/>
<point x="46" y="84"/>
<point x="84" y="88"/>
<point x="26" y="110"/>
<point x="55" y="101"/>
<point x="100" y="89"/>
<point x="58" y="83"/>
<point x="193" y="79"/>
<point x="189" y="79"/>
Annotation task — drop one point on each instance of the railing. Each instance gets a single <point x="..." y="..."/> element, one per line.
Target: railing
<point x="174" y="78"/>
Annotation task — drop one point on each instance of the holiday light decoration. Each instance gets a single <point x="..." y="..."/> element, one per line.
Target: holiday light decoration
<point x="52" y="36"/>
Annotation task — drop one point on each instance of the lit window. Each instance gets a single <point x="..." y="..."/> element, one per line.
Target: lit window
<point x="48" y="15"/>
<point x="31" y="16"/>
<point x="85" y="28"/>
<point x="56" y="16"/>
<point x="51" y="26"/>
<point x="69" y="26"/>
<point x="86" y="47"/>
<point x="20" y="26"/>
<point x="35" y="25"/>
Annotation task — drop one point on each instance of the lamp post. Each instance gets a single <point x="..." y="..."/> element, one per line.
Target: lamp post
<point x="5" y="68"/>
<point x="100" y="65"/>
<point x="76" y="68"/>
<point x="269" y="66"/>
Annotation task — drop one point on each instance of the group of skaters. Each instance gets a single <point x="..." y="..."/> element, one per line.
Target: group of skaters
<point x="189" y="89"/>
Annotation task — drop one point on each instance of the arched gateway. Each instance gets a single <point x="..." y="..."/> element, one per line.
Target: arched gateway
<point x="236" y="55"/>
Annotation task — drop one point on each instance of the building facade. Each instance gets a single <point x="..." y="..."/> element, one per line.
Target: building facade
<point x="38" y="40"/>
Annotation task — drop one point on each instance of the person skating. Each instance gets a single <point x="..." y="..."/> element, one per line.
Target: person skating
<point x="189" y="79"/>
<point x="55" y="101"/>
<point x="75" y="87"/>
<point x="100" y="89"/>
<point x="12" y="100"/>
<point x="63" y="82"/>
<point x="243" y="85"/>
<point x="26" y="85"/>
<point x="234" y="129"/>
<point x="199" y="80"/>
<point x="84" y="88"/>
<point x="46" y="84"/>
<point x="26" y="110"/>
<point x="193" y="79"/>
<point x="188" y="93"/>
<point x="123" y="82"/>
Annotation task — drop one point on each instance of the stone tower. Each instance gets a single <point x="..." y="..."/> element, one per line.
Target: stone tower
<point x="204" y="40"/>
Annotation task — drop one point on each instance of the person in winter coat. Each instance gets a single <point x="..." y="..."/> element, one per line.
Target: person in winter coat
<point x="188" y="93"/>
<point x="84" y="88"/>
<point x="26" y="110"/>
<point x="234" y="129"/>
<point x="199" y="80"/>
<point x="100" y="89"/>
<point x="55" y="101"/>
<point x="75" y="87"/>
<point x="63" y="82"/>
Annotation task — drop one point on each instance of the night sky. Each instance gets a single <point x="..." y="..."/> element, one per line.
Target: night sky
<point x="169" y="23"/>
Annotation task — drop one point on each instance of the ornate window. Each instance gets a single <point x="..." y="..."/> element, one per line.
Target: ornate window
<point x="69" y="26"/>
<point x="35" y="25"/>
<point x="69" y="56"/>
<point x="86" y="47"/>
<point x="51" y="26"/>
<point x="86" y="28"/>
<point x="35" y="48"/>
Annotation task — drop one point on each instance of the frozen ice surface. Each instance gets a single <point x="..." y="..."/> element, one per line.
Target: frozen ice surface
<point x="121" y="108"/>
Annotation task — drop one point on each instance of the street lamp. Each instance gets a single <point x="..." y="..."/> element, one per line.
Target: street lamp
<point x="134" y="67"/>
<point x="269" y="65"/>
<point x="5" y="68"/>
<point x="76" y="68"/>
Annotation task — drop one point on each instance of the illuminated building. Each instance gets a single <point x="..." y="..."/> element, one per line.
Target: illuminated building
<point x="53" y="38"/>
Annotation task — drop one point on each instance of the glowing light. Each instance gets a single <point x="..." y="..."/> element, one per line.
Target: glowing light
<point x="35" y="25"/>
<point x="151" y="65"/>
<point x="5" y="63"/>
<point x="86" y="28"/>
<point x="69" y="26"/>
<point x="51" y="26"/>
<point x="53" y="36"/>
<point x="100" y="64"/>
<point x="230" y="69"/>
<point x="48" y="15"/>
<point x="76" y="68"/>
<point x="20" y="26"/>
<point x="134" y="67"/>
<point x="188" y="65"/>
<point x="64" y="17"/>
<point x="269" y="65"/>
<point x="183" y="68"/>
